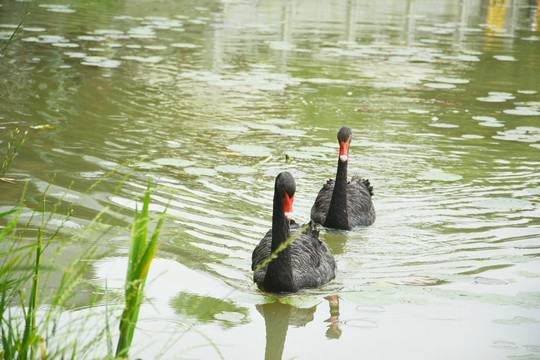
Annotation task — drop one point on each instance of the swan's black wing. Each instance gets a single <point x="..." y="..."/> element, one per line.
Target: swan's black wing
<point x="359" y="205"/>
<point x="261" y="253"/>
<point x="312" y="263"/>
<point x="319" y="210"/>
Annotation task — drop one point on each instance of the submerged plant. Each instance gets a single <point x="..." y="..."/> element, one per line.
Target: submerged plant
<point x="141" y="254"/>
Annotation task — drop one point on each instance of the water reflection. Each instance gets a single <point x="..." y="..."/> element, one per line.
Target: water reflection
<point x="336" y="240"/>
<point x="278" y="316"/>
<point x="206" y="309"/>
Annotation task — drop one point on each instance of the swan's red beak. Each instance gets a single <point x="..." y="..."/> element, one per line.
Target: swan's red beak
<point x="287" y="206"/>
<point x="344" y="150"/>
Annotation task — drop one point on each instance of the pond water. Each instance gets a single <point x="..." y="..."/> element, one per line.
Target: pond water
<point x="211" y="100"/>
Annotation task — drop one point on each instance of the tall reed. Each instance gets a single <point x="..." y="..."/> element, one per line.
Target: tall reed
<point x="141" y="254"/>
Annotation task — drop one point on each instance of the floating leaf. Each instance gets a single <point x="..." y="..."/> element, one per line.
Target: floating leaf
<point x="503" y="204"/>
<point x="505" y="58"/>
<point x="440" y="85"/>
<point x="100" y="61"/>
<point x="144" y="59"/>
<point x="491" y="99"/>
<point x="444" y="125"/>
<point x="472" y="136"/>
<point x="521" y="133"/>
<point x="517" y="320"/>
<point x="484" y="118"/>
<point x="452" y="80"/>
<point x="522" y="111"/>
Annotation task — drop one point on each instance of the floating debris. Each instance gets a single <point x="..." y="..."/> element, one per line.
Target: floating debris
<point x="8" y="180"/>
<point x="42" y="127"/>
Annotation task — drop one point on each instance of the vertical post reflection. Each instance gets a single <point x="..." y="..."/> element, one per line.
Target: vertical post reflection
<point x="536" y="22"/>
<point x="496" y="16"/>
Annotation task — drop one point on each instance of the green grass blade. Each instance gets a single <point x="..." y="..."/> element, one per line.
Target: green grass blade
<point x="108" y="337"/>
<point x="29" y="334"/>
<point x="141" y="255"/>
<point x="13" y="35"/>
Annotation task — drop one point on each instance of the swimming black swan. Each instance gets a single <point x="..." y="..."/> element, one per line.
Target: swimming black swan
<point x="305" y="263"/>
<point x="341" y="204"/>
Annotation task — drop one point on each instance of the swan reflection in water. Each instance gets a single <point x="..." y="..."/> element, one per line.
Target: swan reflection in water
<point x="278" y="317"/>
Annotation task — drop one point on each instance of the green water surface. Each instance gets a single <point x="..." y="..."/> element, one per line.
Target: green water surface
<point x="212" y="99"/>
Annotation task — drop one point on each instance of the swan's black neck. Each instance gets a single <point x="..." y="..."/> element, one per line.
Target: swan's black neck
<point x="279" y="272"/>
<point x="338" y="216"/>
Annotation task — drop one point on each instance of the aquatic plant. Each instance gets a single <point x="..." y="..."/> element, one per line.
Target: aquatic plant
<point x="140" y="256"/>
<point x="27" y="326"/>
<point x="29" y="309"/>
<point x="15" y="140"/>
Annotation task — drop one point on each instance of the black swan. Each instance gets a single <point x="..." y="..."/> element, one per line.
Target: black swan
<point x="341" y="204"/>
<point x="305" y="263"/>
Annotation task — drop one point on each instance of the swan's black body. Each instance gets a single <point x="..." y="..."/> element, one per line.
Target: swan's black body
<point x="305" y="263"/>
<point x="341" y="204"/>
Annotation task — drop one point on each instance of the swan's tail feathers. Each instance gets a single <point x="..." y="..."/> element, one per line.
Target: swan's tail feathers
<point x="312" y="228"/>
<point x="364" y="182"/>
<point x="368" y="186"/>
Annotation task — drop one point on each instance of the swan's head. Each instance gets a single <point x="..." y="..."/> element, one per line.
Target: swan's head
<point x="344" y="137"/>
<point x="286" y="187"/>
